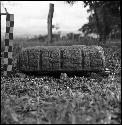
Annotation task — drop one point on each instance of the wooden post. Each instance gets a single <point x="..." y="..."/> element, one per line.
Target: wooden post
<point x="50" y="16"/>
<point x="3" y="14"/>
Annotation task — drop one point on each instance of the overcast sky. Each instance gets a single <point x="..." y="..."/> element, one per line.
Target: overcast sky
<point x="31" y="16"/>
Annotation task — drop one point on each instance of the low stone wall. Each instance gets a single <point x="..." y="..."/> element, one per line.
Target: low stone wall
<point x="61" y="58"/>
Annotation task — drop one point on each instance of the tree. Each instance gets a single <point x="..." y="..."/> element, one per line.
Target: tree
<point x="104" y="16"/>
<point x="90" y="27"/>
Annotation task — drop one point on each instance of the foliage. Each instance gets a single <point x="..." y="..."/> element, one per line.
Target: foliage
<point x="52" y="101"/>
<point x="104" y="18"/>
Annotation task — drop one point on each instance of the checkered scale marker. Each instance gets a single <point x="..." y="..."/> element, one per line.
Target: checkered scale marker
<point x="8" y="44"/>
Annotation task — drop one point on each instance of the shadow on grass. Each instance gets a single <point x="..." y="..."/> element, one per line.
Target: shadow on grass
<point x="56" y="74"/>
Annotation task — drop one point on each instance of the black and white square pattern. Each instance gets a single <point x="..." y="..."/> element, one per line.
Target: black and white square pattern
<point x="8" y="44"/>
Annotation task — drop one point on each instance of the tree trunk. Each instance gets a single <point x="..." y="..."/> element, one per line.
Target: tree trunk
<point x="98" y="25"/>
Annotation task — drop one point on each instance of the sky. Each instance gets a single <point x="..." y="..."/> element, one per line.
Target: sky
<point x="31" y="17"/>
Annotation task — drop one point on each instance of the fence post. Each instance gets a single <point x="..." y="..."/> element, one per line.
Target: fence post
<point x="8" y="44"/>
<point x="50" y="16"/>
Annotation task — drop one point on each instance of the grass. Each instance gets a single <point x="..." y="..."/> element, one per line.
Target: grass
<point x="66" y="100"/>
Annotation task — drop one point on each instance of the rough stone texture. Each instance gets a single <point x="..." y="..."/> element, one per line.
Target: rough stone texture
<point x="61" y="58"/>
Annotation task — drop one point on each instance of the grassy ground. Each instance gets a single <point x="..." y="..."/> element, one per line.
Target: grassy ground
<point x="65" y="100"/>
